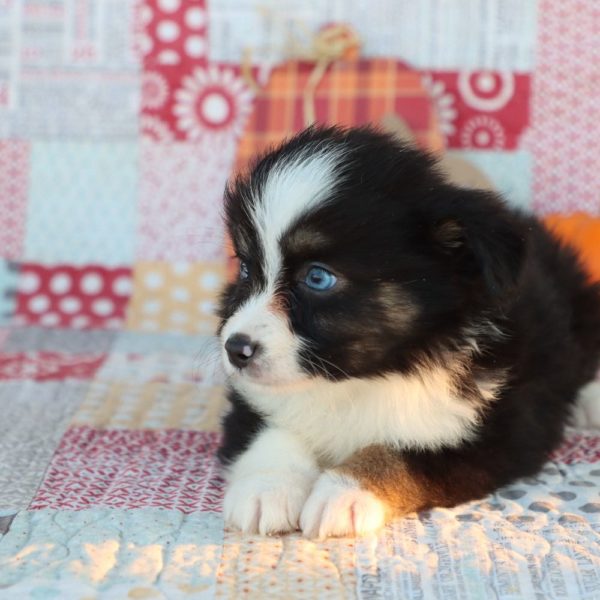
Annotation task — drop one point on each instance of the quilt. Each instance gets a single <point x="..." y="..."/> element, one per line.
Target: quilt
<point x="120" y="121"/>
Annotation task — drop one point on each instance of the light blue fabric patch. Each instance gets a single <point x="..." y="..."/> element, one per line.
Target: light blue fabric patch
<point x="510" y="172"/>
<point x="72" y="341"/>
<point x="111" y="553"/>
<point x="34" y="417"/>
<point x="82" y="205"/>
<point x="151" y="343"/>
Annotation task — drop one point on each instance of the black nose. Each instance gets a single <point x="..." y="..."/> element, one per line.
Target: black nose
<point x="240" y="350"/>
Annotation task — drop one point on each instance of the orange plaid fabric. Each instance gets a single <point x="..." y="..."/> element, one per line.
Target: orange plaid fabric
<point x="352" y="92"/>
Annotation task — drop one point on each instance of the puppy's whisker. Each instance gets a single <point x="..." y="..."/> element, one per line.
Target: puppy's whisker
<point x="328" y="362"/>
<point x="323" y="362"/>
<point x="208" y="360"/>
<point x="319" y="367"/>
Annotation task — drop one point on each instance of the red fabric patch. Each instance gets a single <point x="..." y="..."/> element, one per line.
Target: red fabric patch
<point x="183" y="97"/>
<point x="172" y="32"/>
<point x="208" y="104"/>
<point x="578" y="448"/>
<point x="78" y="297"/>
<point x="351" y="92"/>
<point x="48" y="366"/>
<point x="481" y="110"/>
<point x="14" y="183"/>
<point x="169" y="469"/>
<point x="565" y="108"/>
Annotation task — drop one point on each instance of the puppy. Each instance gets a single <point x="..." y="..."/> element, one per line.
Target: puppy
<point x="392" y="342"/>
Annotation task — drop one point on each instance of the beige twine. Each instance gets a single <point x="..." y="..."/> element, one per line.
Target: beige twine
<point x="328" y="45"/>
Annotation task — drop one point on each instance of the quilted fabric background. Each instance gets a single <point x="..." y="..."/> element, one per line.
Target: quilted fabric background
<point x="120" y="121"/>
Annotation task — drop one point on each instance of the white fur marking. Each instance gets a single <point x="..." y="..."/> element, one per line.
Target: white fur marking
<point x="335" y="419"/>
<point x="269" y="484"/>
<point x="338" y="506"/>
<point x="292" y="189"/>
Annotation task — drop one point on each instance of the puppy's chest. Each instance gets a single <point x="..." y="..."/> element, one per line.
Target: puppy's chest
<point x="337" y="419"/>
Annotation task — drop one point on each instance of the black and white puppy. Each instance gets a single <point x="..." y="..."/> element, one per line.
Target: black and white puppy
<point x="392" y="342"/>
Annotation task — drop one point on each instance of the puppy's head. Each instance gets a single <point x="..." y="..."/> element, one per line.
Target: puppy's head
<point x="357" y="259"/>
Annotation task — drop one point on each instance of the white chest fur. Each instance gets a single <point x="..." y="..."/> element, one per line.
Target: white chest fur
<point x="336" y="419"/>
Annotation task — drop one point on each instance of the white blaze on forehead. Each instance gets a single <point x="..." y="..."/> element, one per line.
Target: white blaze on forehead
<point x="293" y="188"/>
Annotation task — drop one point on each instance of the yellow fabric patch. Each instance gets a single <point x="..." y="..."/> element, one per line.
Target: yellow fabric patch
<point x="151" y="405"/>
<point x="175" y="297"/>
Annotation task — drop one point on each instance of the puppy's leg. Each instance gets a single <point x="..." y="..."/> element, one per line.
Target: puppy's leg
<point x="586" y="412"/>
<point x="269" y="484"/>
<point x="378" y="483"/>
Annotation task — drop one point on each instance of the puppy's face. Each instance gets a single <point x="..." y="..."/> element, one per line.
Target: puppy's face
<point x="355" y="259"/>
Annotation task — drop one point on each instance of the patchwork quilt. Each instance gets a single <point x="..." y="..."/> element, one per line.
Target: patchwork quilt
<point x="120" y="121"/>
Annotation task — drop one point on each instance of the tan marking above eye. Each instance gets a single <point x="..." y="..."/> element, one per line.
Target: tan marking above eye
<point x="304" y="239"/>
<point x="397" y="303"/>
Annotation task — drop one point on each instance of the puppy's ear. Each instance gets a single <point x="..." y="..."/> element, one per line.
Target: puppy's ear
<point x="484" y="239"/>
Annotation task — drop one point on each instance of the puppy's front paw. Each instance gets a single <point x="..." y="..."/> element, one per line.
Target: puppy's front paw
<point x="266" y="502"/>
<point x="338" y="506"/>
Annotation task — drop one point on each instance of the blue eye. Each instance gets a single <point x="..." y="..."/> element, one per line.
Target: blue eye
<point x="320" y="279"/>
<point x="244" y="274"/>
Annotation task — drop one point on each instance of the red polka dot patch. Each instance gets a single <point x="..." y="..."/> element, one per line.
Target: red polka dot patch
<point x="77" y="297"/>
<point x="172" y="31"/>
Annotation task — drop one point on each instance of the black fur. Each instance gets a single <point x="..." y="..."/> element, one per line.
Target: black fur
<point x="462" y="266"/>
<point x="240" y="426"/>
